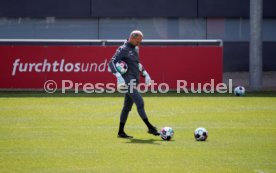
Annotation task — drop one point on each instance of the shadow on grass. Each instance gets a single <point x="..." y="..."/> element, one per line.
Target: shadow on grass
<point x="143" y="141"/>
<point x="15" y="94"/>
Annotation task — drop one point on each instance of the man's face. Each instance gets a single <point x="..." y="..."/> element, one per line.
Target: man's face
<point x="137" y="41"/>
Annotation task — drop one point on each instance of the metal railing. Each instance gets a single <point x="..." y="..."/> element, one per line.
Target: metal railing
<point x="105" y="42"/>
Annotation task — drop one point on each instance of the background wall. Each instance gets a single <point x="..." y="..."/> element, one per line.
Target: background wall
<point x="158" y="19"/>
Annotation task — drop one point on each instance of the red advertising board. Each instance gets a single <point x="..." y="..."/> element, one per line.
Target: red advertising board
<point x="28" y="67"/>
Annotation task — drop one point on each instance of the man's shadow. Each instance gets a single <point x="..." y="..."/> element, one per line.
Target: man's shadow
<point x="143" y="141"/>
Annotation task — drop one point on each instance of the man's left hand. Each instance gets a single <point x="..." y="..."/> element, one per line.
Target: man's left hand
<point x="147" y="78"/>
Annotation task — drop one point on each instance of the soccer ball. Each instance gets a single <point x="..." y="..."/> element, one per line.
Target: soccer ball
<point x="122" y="67"/>
<point x="201" y="134"/>
<point x="239" y="91"/>
<point x="167" y="133"/>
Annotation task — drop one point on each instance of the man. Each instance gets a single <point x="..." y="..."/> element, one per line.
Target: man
<point x="128" y="53"/>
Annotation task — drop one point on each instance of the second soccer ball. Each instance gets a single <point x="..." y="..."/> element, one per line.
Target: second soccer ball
<point x="167" y="133"/>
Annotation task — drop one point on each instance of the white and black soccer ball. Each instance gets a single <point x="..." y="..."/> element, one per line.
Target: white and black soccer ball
<point x="239" y="91"/>
<point x="167" y="133"/>
<point x="122" y="67"/>
<point x="201" y="134"/>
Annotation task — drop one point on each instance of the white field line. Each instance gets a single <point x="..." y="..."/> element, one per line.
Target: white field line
<point x="129" y="127"/>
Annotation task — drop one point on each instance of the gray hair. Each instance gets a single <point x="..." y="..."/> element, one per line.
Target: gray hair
<point x="135" y="34"/>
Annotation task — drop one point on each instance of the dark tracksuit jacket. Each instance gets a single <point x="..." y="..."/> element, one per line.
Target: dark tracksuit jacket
<point x="129" y="54"/>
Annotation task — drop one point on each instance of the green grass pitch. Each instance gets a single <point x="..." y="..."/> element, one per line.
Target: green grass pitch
<point x="78" y="133"/>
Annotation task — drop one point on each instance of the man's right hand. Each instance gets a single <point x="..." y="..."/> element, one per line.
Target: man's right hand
<point x="120" y="80"/>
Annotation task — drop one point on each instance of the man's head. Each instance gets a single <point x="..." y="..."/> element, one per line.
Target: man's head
<point x="135" y="38"/>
